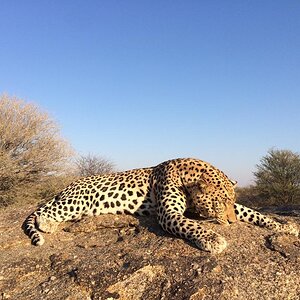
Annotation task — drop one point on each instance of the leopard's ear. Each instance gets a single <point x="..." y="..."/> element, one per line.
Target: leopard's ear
<point x="203" y="183"/>
<point x="234" y="183"/>
<point x="196" y="187"/>
<point x="200" y="186"/>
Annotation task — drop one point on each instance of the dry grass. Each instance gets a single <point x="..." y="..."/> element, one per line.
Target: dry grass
<point x="36" y="193"/>
<point x="250" y="196"/>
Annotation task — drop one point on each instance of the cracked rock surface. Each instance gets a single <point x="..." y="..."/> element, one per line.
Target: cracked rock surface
<point x="122" y="257"/>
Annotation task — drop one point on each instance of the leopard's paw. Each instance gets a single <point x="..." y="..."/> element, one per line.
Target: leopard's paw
<point x="289" y="228"/>
<point x="211" y="242"/>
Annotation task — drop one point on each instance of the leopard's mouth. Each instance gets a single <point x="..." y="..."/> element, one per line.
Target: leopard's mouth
<point x="230" y="212"/>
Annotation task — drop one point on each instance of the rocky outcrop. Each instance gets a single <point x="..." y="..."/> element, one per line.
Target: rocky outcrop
<point x="122" y="257"/>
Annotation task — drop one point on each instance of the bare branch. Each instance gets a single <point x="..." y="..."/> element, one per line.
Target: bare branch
<point x="92" y="165"/>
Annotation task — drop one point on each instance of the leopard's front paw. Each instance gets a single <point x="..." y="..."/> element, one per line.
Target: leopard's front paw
<point x="289" y="228"/>
<point x="211" y="242"/>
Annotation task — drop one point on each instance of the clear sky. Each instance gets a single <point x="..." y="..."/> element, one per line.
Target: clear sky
<point x="140" y="82"/>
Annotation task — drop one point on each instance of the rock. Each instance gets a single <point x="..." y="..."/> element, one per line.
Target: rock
<point x="137" y="284"/>
<point x="122" y="257"/>
<point x="287" y="246"/>
<point x="199" y="295"/>
<point x="91" y="224"/>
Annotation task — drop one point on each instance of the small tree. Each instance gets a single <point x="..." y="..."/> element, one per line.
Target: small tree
<point x="30" y="145"/>
<point x="92" y="165"/>
<point x="278" y="176"/>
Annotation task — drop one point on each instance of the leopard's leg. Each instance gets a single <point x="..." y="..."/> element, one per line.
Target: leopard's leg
<point x="171" y="206"/>
<point x="252" y="216"/>
<point x="39" y="220"/>
<point x="46" y="224"/>
<point x="51" y="215"/>
<point x="48" y="217"/>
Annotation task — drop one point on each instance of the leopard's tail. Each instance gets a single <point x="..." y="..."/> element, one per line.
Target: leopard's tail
<point x="31" y="230"/>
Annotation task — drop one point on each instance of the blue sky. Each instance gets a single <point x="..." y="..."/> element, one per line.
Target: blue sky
<point x="140" y="82"/>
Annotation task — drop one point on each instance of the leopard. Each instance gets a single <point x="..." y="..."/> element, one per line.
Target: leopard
<point x="167" y="191"/>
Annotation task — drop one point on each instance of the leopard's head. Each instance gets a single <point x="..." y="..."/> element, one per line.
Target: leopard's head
<point x="214" y="200"/>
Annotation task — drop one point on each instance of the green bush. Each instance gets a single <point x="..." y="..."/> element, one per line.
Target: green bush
<point x="278" y="177"/>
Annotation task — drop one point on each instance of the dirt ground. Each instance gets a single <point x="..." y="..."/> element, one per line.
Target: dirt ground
<point x="122" y="257"/>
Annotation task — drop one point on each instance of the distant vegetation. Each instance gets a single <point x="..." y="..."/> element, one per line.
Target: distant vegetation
<point x="277" y="180"/>
<point x="31" y="150"/>
<point x="36" y="162"/>
<point x="92" y="165"/>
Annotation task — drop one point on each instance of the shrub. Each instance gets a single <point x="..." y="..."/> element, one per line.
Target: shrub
<point x="31" y="149"/>
<point x="278" y="177"/>
<point x="92" y="165"/>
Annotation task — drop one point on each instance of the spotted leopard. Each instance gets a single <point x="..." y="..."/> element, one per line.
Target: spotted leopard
<point x="167" y="190"/>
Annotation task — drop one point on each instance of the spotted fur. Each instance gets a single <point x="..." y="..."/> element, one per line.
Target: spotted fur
<point x="167" y="190"/>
